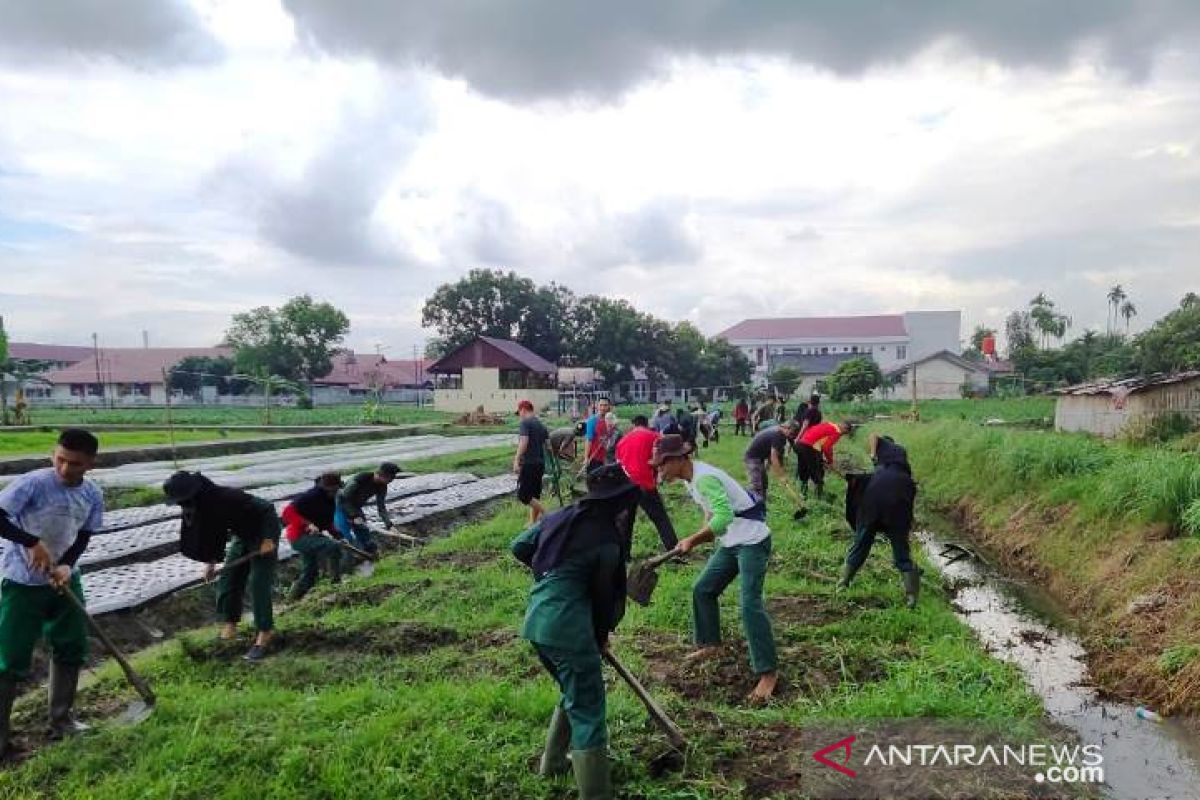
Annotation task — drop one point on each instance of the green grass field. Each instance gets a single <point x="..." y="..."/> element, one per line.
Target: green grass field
<point x="37" y="443"/>
<point x="412" y="683"/>
<point x="225" y="415"/>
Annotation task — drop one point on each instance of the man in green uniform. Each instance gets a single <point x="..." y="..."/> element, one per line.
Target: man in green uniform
<point x="210" y="515"/>
<point x="578" y="557"/>
<point x="48" y="516"/>
<point x="744" y="548"/>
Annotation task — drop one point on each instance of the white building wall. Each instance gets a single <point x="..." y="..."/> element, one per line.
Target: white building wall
<point x="932" y="331"/>
<point x="939" y="379"/>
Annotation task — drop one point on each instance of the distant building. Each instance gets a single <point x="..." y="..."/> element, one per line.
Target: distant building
<point x="1107" y="408"/>
<point x="124" y="375"/>
<point x="891" y="340"/>
<point x="494" y="374"/>
<point x="939" y="376"/>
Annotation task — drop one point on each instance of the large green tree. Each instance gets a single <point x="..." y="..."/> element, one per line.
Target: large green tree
<point x="1173" y="342"/>
<point x="785" y="381"/>
<point x="501" y="304"/>
<point x="193" y="372"/>
<point x="296" y="342"/>
<point x="854" y="379"/>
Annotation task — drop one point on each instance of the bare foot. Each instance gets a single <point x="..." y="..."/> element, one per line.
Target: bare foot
<point x="765" y="689"/>
<point x="702" y="654"/>
<point x="263" y="638"/>
<point x="228" y="631"/>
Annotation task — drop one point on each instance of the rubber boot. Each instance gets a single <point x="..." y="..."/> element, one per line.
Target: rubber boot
<point x="8" y="695"/>
<point x="912" y="587"/>
<point x="335" y="568"/>
<point x="847" y="576"/>
<point x="298" y="590"/>
<point x="592" y="776"/>
<point x="64" y="679"/>
<point x="558" y="740"/>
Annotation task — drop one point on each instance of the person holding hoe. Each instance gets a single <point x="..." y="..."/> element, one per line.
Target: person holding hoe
<point x="349" y="517"/>
<point x="882" y="502"/>
<point x="48" y="517"/>
<point x="210" y="515"/>
<point x="743" y="550"/>
<point x="578" y="557"/>
<point x="814" y="453"/>
<point x="311" y="533"/>
<point x="764" y="454"/>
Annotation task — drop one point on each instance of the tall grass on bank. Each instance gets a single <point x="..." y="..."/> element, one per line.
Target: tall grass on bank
<point x="1104" y="480"/>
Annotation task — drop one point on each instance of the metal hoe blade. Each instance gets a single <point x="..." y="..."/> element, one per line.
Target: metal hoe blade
<point x="138" y="712"/>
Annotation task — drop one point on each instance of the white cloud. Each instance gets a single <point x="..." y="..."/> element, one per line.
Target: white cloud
<point x="723" y="182"/>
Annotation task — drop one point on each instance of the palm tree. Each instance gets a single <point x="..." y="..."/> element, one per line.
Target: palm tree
<point x="1128" y="311"/>
<point x="1115" y="295"/>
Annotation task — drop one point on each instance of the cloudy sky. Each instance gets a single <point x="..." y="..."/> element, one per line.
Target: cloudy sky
<point x="166" y="163"/>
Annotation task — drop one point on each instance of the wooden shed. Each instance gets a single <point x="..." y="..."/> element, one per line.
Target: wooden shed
<point x="1109" y="407"/>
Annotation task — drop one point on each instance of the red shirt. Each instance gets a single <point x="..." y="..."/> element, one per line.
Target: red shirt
<point x="595" y="449"/>
<point x="633" y="454"/>
<point x="826" y="435"/>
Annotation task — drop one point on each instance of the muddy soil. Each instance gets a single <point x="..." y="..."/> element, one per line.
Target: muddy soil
<point x="403" y="639"/>
<point x="463" y="559"/>
<point x="818" y="610"/>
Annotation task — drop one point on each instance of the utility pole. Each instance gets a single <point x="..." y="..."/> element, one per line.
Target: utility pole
<point x="99" y="377"/>
<point x="145" y="340"/>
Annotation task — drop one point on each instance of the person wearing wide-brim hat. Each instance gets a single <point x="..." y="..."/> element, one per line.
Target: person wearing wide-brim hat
<point x="743" y="550"/>
<point x="210" y="514"/>
<point x="578" y="557"/>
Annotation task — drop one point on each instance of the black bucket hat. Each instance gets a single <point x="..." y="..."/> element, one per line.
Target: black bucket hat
<point x="183" y="486"/>
<point x="607" y="482"/>
<point x="670" y="445"/>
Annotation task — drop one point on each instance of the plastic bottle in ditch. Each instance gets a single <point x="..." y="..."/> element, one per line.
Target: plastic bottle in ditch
<point x="1147" y="714"/>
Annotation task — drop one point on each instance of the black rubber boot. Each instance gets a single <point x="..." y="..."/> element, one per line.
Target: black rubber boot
<point x="848" y="573"/>
<point x="912" y="587"/>
<point x="8" y="695"/>
<point x="64" y="680"/>
<point x="558" y="740"/>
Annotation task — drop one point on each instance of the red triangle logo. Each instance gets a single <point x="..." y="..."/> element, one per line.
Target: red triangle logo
<point x="844" y="745"/>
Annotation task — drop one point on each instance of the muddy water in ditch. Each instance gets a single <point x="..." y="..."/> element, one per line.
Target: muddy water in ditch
<point x="1142" y="760"/>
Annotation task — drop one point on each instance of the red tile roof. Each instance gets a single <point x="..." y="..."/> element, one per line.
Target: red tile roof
<point x="360" y="371"/>
<point x="817" y="328"/>
<point x="67" y="353"/>
<point x="130" y="364"/>
<point x="484" y="351"/>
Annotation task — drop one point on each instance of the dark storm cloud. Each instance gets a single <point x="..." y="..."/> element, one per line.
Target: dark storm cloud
<point x="151" y="32"/>
<point x="551" y="48"/>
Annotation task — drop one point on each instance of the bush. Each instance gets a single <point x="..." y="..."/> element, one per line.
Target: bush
<point x="1191" y="519"/>
<point x="1175" y="658"/>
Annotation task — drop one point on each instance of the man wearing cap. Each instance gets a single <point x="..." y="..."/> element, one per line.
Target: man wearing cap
<point x="307" y="520"/>
<point x="765" y="453"/>
<point x="348" y="515"/>
<point x="529" y="464"/>
<point x="883" y="505"/>
<point x="744" y="548"/>
<point x="210" y="514"/>
<point x="814" y="452"/>
<point x="634" y="452"/>
<point x="48" y="517"/>
<point x="578" y="557"/>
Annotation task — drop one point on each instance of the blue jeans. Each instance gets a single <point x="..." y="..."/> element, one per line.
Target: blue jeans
<point x="358" y="535"/>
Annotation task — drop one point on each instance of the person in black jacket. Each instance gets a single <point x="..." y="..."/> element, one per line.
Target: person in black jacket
<point x="210" y="515"/>
<point x="883" y="503"/>
<point x="309" y="529"/>
<point x="349" y="517"/>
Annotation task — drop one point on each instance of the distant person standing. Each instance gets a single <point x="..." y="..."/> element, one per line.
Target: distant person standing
<point x="48" y="517"/>
<point x="596" y="434"/>
<point x="529" y="464"/>
<point x="741" y="417"/>
<point x="809" y="414"/>
<point x="634" y="452"/>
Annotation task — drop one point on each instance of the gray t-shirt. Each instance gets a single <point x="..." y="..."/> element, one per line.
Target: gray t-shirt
<point x="564" y="443"/>
<point x="764" y="442"/>
<point x="42" y="505"/>
<point x="537" y="433"/>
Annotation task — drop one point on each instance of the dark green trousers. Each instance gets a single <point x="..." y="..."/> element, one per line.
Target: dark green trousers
<point x="314" y="549"/>
<point x="750" y="562"/>
<point x="581" y="681"/>
<point x="231" y="587"/>
<point x="28" y="613"/>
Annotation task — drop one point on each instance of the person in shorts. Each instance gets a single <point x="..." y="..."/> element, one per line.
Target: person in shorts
<point x="529" y="464"/>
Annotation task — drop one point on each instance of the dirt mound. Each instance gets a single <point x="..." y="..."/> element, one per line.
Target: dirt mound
<point x="461" y="559"/>
<point x="341" y="597"/>
<point x="817" y="610"/>
<point x="403" y="639"/>
<point x="479" y="417"/>
<point x="767" y="762"/>
<point x="726" y="678"/>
